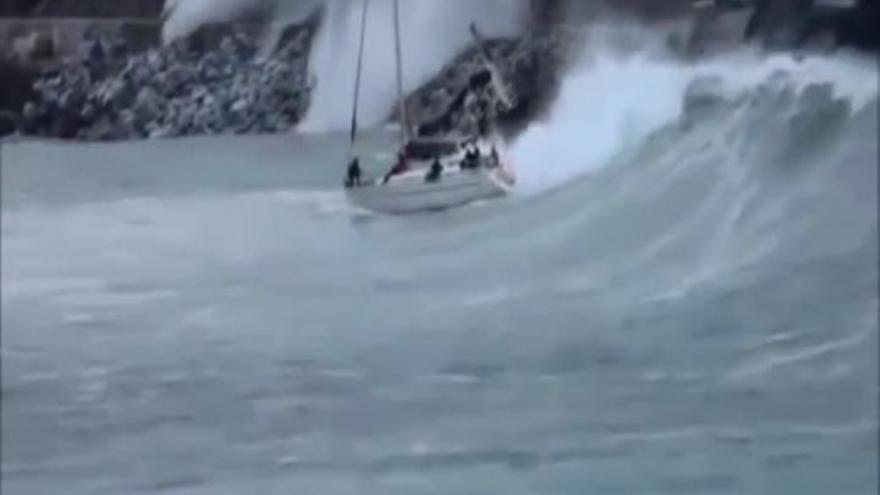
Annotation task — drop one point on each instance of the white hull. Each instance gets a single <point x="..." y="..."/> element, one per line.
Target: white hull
<point x="410" y="193"/>
<point x="462" y="176"/>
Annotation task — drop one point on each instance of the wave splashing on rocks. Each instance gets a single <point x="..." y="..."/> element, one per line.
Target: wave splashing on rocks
<point x="216" y="81"/>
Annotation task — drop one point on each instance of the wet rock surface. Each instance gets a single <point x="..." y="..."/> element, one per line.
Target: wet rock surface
<point x="462" y="99"/>
<point x="16" y="84"/>
<point x="216" y="81"/>
<point x="223" y="79"/>
<point x="82" y="8"/>
<point x="822" y="24"/>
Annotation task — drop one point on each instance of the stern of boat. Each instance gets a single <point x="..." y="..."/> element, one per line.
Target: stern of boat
<point x="504" y="173"/>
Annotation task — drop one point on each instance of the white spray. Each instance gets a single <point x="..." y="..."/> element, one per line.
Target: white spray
<point x="432" y="31"/>
<point x="611" y="100"/>
<point x="185" y="16"/>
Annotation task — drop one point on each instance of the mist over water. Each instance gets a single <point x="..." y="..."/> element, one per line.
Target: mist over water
<point x="184" y="16"/>
<point x="681" y="299"/>
<point x="432" y="31"/>
<point x="605" y="105"/>
<point x="612" y="99"/>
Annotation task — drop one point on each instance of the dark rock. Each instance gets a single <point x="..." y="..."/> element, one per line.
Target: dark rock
<point x="17" y="8"/>
<point x="544" y="13"/>
<point x="16" y="84"/>
<point x="775" y="23"/>
<point x="787" y="24"/>
<point x="84" y="8"/>
<point x="296" y="39"/>
<point x="715" y="28"/>
<point x="43" y="47"/>
<point x="93" y="51"/>
<point x="211" y="83"/>
<point x="645" y="11"/>
<point x="33" y="46"/>
<point x="66" y="125"/>
<point x="857" y="27"/>
<point x="135" y="37"/>
<point x="8" y="123"/>
<point x="462" y="99"/>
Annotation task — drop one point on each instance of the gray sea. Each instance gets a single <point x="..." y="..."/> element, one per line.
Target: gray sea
<point x="210" y="316"/>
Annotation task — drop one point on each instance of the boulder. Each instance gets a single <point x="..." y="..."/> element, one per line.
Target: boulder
<point x="823" y="25"/>
<point x="16" y="84"/>
<point x="213" y="82"/>
<point x="33" y="46"/>
<point x="462" y="99"/>
<point x="8" y="123"/>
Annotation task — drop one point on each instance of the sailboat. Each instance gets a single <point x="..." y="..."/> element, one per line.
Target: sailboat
<point x="429" y="174"/>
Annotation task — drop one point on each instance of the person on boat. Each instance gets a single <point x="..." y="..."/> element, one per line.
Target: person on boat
<point x="476" y="158"/>
<point x="483" y="125"/>
<point x="435" y="171"/>
<point x="399" y="167"/>
<point x="472" y="157"/>
<point x="354" y="173"/>
<point x="469" y="160"/>
<point x="494" y="159"/>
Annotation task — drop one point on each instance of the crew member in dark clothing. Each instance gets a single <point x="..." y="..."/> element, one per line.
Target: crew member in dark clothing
<point x="469" y="160"/>
<point x="475" y="157"/>
<point x="483" y="121"/>
<point x="494" y="159"/>
<point x="435" y="171"/>
<point x="354" y="173"/>
<point x="399" y="167"/>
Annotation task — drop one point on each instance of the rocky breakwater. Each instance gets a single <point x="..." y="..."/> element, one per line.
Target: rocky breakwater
<point x="462" y="98"/>
<point x="827" y="24"/>
<point x="221" y="79"/>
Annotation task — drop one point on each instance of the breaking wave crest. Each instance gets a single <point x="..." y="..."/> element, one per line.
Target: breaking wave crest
<point x="612" y="102"/>
<point x="686" y="174"/>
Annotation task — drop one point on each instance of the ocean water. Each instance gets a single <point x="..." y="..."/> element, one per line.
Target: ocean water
<point x="673" y="301"/>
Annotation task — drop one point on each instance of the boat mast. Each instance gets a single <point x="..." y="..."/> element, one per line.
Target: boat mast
<point x="404" y="122"/>
<point x="357" y="83"/>
<point x="497" y="81"/>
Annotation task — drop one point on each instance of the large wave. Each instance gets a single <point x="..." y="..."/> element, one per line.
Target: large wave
<point x="683" y="174"/>
<point x="612" y="100"/>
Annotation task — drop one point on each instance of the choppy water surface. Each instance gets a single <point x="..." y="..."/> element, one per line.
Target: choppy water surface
<point x="696" y="315"/>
